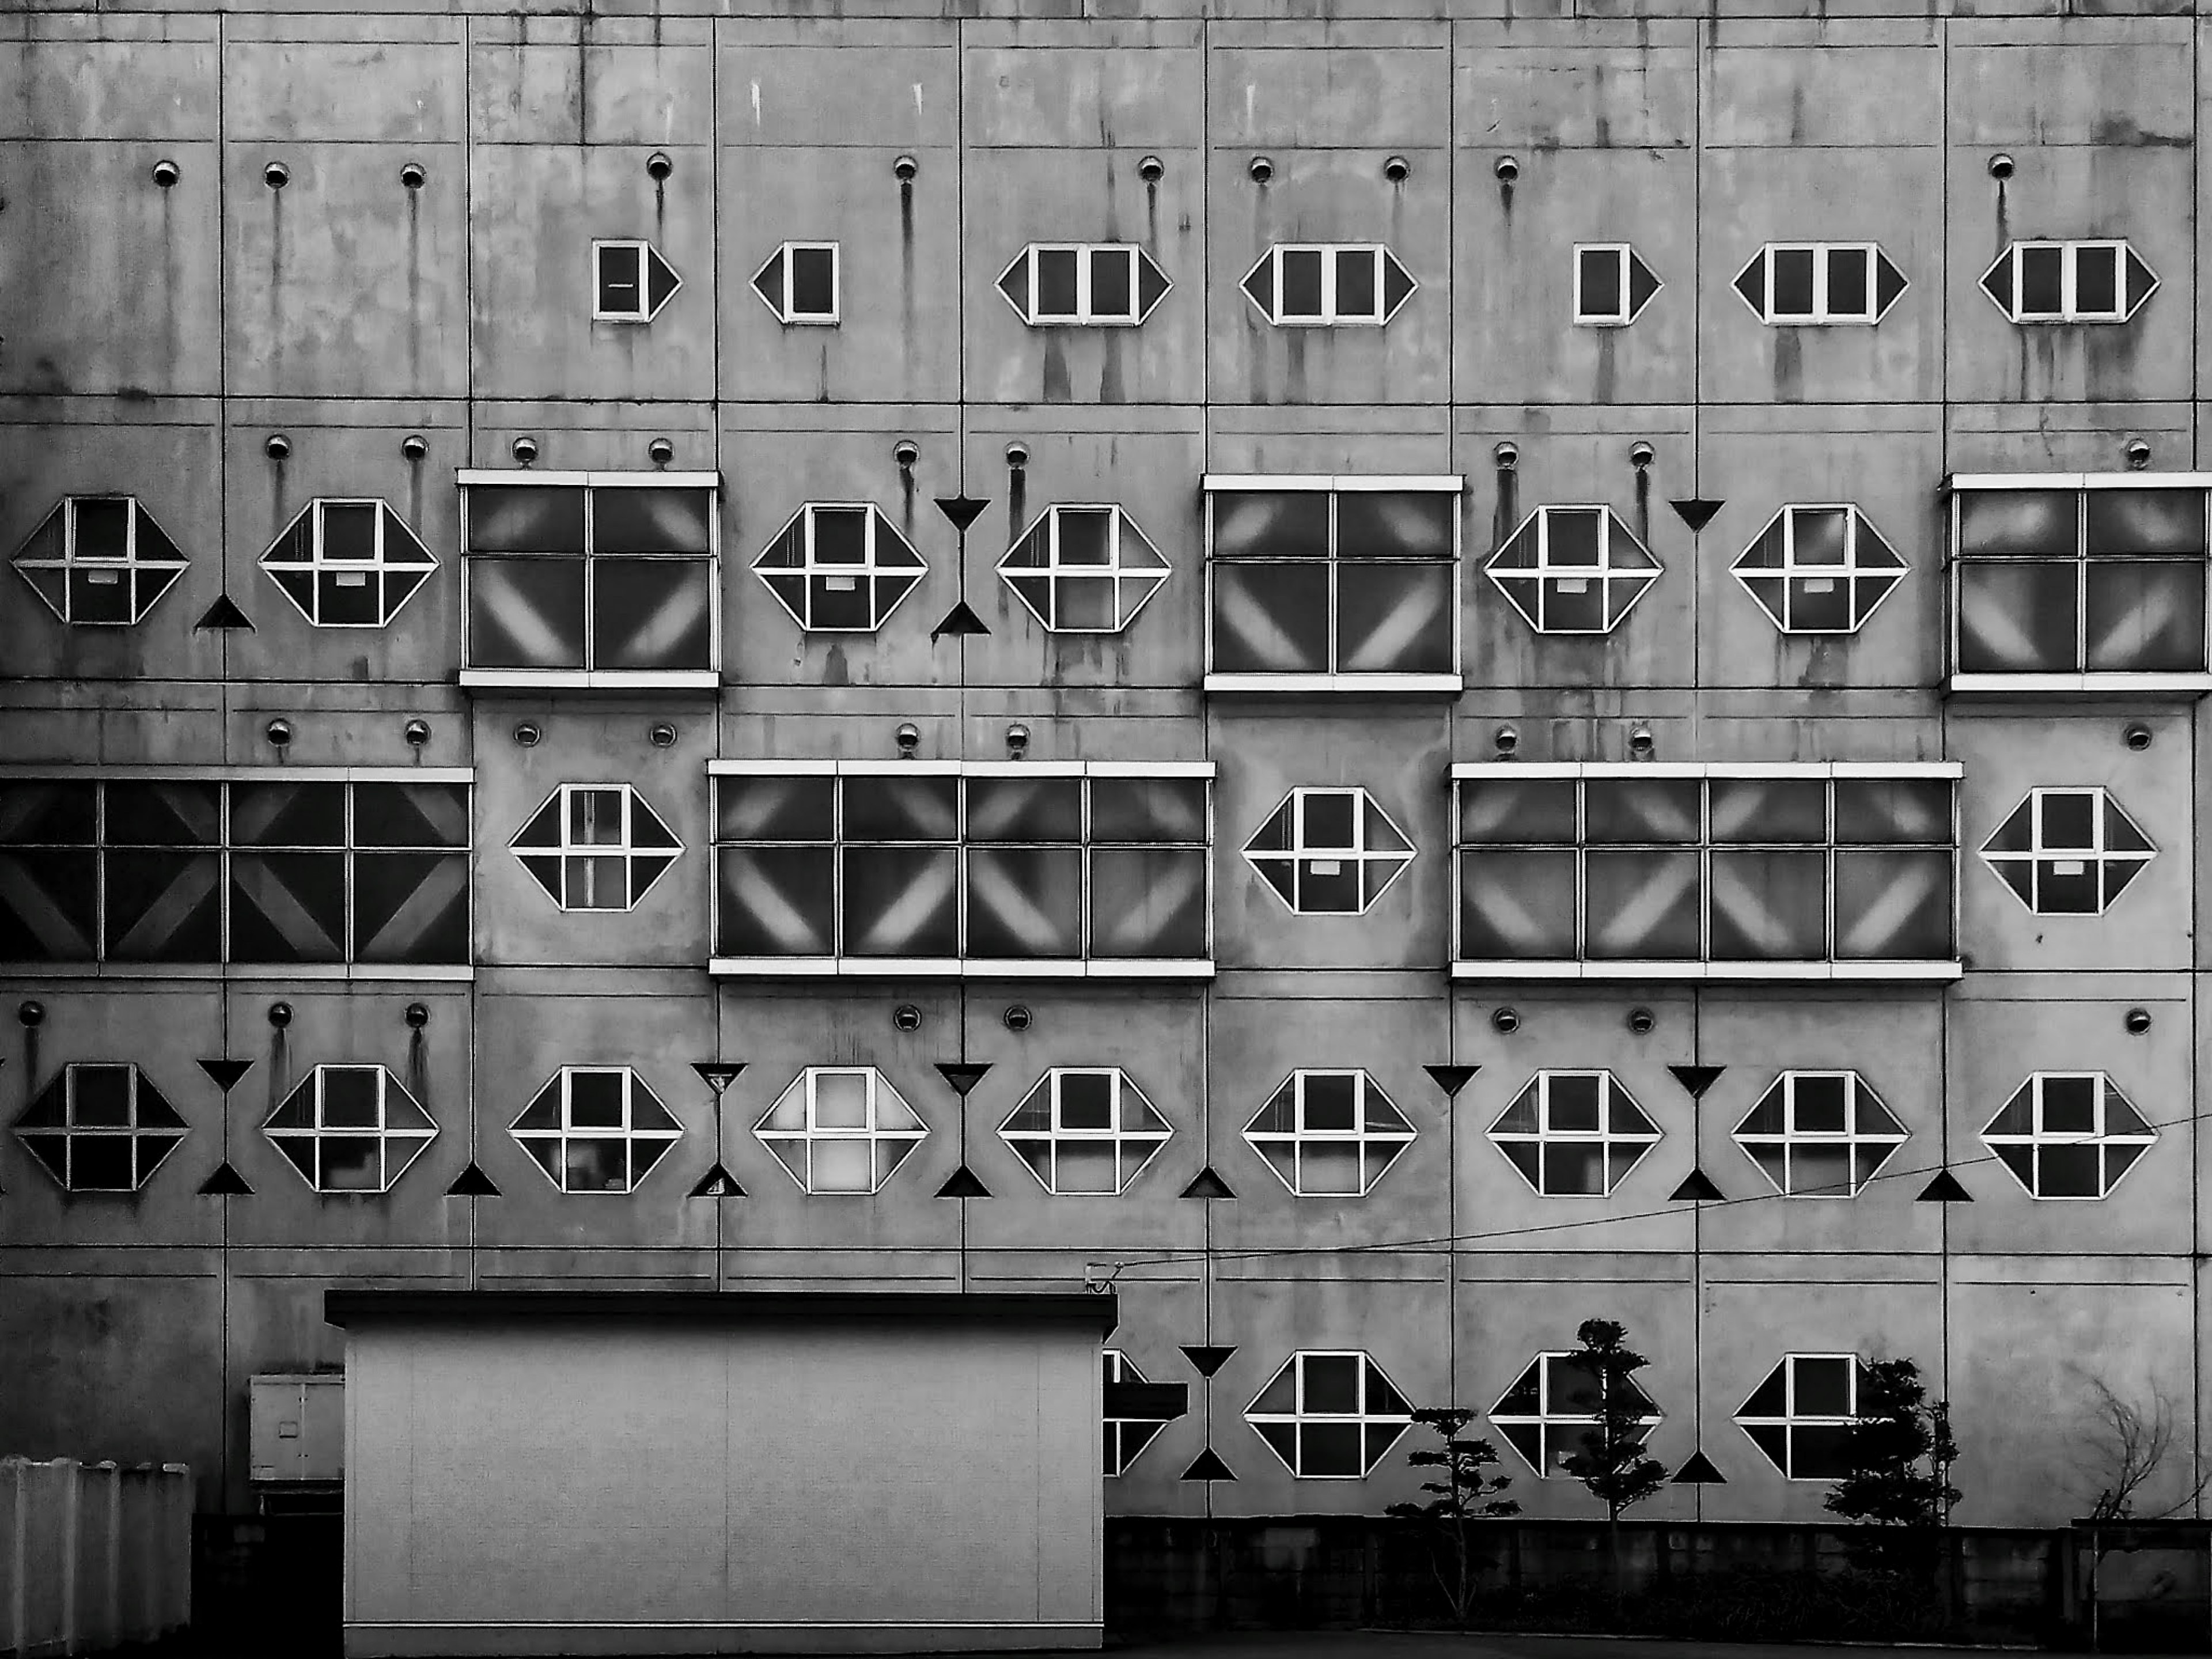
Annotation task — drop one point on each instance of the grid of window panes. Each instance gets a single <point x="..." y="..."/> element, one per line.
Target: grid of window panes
<point x="596" y="1129"/>
<point x="99" y="561"/>
<point x="941" y="867"/>
<point x="1799" y="1416"/>
<point x="1330" y="1416"/>
<point x="2070" y="577"/>
<point x="351" y="1129"/>
<point x="158" y="868"/>
<point x="100" y="1126"/>
<point x="584" y="578"/>
<point x="1812" y="870"/>
<point x="1318" y="582"/>
<point x="1551" y="1410"/>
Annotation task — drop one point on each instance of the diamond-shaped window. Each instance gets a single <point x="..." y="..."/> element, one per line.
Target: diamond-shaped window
<point x="840" y="568"/>
<point x="1330" y="1416"/>
<point x="100" y="1126"/>
<point x="2068" y="1134"/>
<point x="1329" y="1133"/>
<point x="1328" y="284"/>
<point x="1085" y="1129"/>
<point x="350" y="1128"/>
<point x="1329" y="852"/>
<point x="347" y="563"/>
<point x="630" y="282"/>
<point x="2073" y="281"/>
<point x="1572" y="570"/>
<point x="99" y="561"/>
<point x="1084" y="569"/>
<point x="1819" y="1135"/>
<point x="841" y="1130"/>
<point x="1810" y="284"/>
<point x="1819" y="569"/>
<point x="1084" y="284"/>
<point x="2067" y="852"/>
<point x="1611" y="284"/>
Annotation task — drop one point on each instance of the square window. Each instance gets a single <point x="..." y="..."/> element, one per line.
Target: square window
<point x="841" y="1100"/>
<point x="1331" y="1100"/>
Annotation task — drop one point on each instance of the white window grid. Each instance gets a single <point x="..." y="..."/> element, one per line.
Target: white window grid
<point x="1869" y="568"/>
<point x="1620" y="256"/>
<point x="1321" y="1160"/>
<point x="1621" y="1133"/>
<point x="1770" y="1431"/>
<point x="1376" y="843"/>
<point x="1535" y="587"/>
<point x="598" y="866"/>
<point x="643" y="1131"/>
<point x="1132" y="565"/>
<point x="150" y="1130"/>
<point x="1823" y="313"/>
<point x="1332" y="314"/>
<point x="2118" y="1135"/>
<point x="1706" y="966"/>
<point x="1311" y="1437"/>
<point x="1867" y="1138"/>
<point x="2071" y="254"/>
<point x="1126" y="1437"/>
<point x="1023" y="273"/>
<point x="397" y="552"/>
<point x="850" y="1150"/>
<point x="644" y="254"/>
<point x="400" y="1128"/>
<point x="1546" y="1436"/>
<point x="776" y="276"/>
<point x="885" y="552"/>
<point x="2047" y="859"/>
<point x="1071" y="1156"/>
<point x="145" y="567"/>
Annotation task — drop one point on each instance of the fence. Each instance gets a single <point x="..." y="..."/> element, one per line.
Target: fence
<point x="92" y="1554"/>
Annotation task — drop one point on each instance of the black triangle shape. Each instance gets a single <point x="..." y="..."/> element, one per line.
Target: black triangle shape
<point x="1944" y="1189"/>
<point x="1206" y="1184"/>
<point x="962" y="1075"/>
<point x="1695" y="514"/>
<point x="1451" y="1078"/>
<point x="225" y="1073"/>
<point x="226" y="1179"/>
<point x="1695" y="1185"/>
<point x="718" y="1074"/>
<point x="962" y="510"/>
<point x="963" y="1183"/>
<point x="1207" y="1360"/>
<point x="1206" y="1466"/>
<point x="1697" y="1470"/>
<point x="224" y="613"/>
<point x="717" y="1182"/>
<point x="960" y="620"/>
<point x="1697" y="1078"/>
<point x="472" y="1182"/>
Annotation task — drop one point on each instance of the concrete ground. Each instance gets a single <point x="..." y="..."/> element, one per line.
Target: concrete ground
<point x="1399" y="1645"/>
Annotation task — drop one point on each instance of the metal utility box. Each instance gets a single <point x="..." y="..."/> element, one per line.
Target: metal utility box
<point x="295" y="1427"/>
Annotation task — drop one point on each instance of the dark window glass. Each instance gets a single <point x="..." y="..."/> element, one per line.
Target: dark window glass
<point x="527" y="613"/>
<point x="775" y="808"/>
<point x="2097" y="282"/>
<point x="652" y="613"/>
<point x="813" y="282"/>
<point x="2019" y="618"/>
<point x="1847" y="282"/>
<point x="620" y="291"/>
<point x="1355" y="283"/>
<point x="2042" y="281"/>
<point x="103" y="529"/>
<point x="1600" y="271"/>
<point x="526" y="519"/>
<point x="1301" y="283"/>
<point x="641" y="520"/>
<point x="1375" y="524"/>
<point x="1110" y="283"/>
<point x="1057" y="282"/>
<point x="1791" y="294"/>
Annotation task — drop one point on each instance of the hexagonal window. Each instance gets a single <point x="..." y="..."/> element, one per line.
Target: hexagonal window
<point x="1329" y="1134"/>
<point x="1799" y="1416"/>
<point x="1328" y="284"/>
<point x="596" y="847"/>
<point x="1085" y="1129"/>
<point x="1572" y="570"/>
<point x="2068" y="1134"/>
<point x="351" y="1129"/>
<point x="630" y="282"/>
<point x="1126" y="1437"/>
<point x="1574" y="1134"/>
<point x="800" y="283"/>
<point x="1819" y="1135"/>
<point x="1819" y="569"/>
<point x="1329" y="852"/>
<point x="347" y="563"/>
<point x="1815" y="284"/>
<point x="1552" y="1410"/>
<point x="1330" y="1416"/>
<point x="1611" y="284"/>
<point x="596" y="1129"/>
<point x="100" y="1128"/>
<point x="2067" y="852"/>
<point x="840" y="568"/>
<point x="99" y="561"/>
<point x="2071" y="281"/>
<point x="1084" y="569"/>
<point x="1084" y="284"/>
<point x="841" y="1130"/>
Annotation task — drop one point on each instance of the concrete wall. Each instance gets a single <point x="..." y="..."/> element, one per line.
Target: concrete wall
<point x="164" y="334"/>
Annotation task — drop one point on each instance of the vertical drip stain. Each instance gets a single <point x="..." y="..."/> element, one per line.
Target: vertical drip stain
<point x="1508" y="511"/>
<point x="1788" y="366"/>
<point x="906" y="501"/>
<point x="906" y="272"/>
<point x="1057" y="389"/>
<point x="1110" y="389"/>
<point x="1608" y="370"/>
<point x="1017" y="501"/>
<point x="418" y="1068"/>
<point x="278" y="492"/>
<point x="1643" y="505"/>
<point x="414" y="289"/>
<point x="30" y="1061"/>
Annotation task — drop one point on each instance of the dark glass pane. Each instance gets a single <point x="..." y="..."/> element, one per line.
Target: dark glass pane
<point x="650" y="520"/>
<point x="1110" y="283"/>
<point x="1332" y="1383"/>
<point x="1573" y="1100"/>
<point x="802" y="808"/>
<point x="48" y="814"/>
<point x="2097" y="282"/>
<point x="620" y="288"/>
<point x="813" y="282"/>
<point x="899" y="902"/>
<point x="1847" y="282"/>
<point x="1331" y="1100"/>
<point x="1355" y="284"/>
<point x="2145" y="617"/>
<point x="1664" y="809"/>
<point x="1906" y="810"/>
<point x="526" y="519"/>
<point x="1510" y="810"/>
<point x="525" y="613"/>
<point x="99" y="596"/>
<point x="595" y="1165"/>
<point x="1148" y="809"/>
<point x="287" y="815"/>
<point x="1328" y="887"/>
<point x="652" y="613"/>
<point x="1599" y="293"/>
<point x="99" y="1096"/>
<point x="1823" y="1386"/>
<point x="411" y="907"/>
<point x="2069" y="1105"/>
<point x="1517" y="906"/>
<point x="2017" y="618"/>
<point x="100" y="1164"/>
<point x="2069" y="1171"/>
<point x="1644" y="906"/>
<point x="1792" y="289"/>
<point x="416" y="815"/>
<point x="775" y="901"/>
<point x="288" y="906"/>
<point x="1328" y="818"/>
<point x="1301" y="283"/>
<point x="882" y="808"/>
<point x="1271" y="524"/>
<point x="2042" y="281"/>
<point x="103" y="528"/>
<point x="164" y="814"/>
<point x="1574" y="1170"/>
<point x="1821" y="1104"/>
<point x="1025" y="809"/>
<point x="1376" y="523"/>
<point x="1086" y="1100"/>
<point x="1770" y="906"/>
<point x="1394" y="619"/>
<point x="1055" y="282"/>
<point x="595" y="1100"/>
<point x="1817" y="1452"/>
<point x="1145" y="903"/>
<point x="1770" y="810"/>
<point x="164" y="907"/>
<point x="1086" y="535"/>
<point x="349" y="530"/>
<point x="2067" y="819"/>
<point x="2018" y="524"/>
<point x="352" y="1163"/>
<point x="2144" y="521"/>
<point x="1271" y="618"/>
<point x="1893" y="906"/>
<point x="1024" y="901"/>
<point x="349" y="598"/>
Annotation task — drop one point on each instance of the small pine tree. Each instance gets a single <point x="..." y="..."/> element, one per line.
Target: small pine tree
<point x="1613" y="1462"/>
<point x="1465" y="1496"/>
<point x="1897" y="1481"/>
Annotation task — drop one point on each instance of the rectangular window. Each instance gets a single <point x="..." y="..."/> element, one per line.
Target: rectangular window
<point x="337" y="869"/>
<point x="1332" y="584"/>
<point x="2080" y="582"/>
<point x="590" y="579"/>
<point x="1810" y="283"/>
<point x="1084" y="868"/>
<point x="1809" y="870"/>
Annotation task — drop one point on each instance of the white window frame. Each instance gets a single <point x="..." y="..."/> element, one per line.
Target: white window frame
<point x="813" y="570"/>
<point x="1540" y="576"/>
<point x="1389" y="1144"/>
<point x="1820" y="316"/>
<point x="321" y="562"/>
<point x="1791" y="571"/>
<point x="1858" y="1096"/>
<point x="410" y="1141"/>
<point x="1548" y="1417"/>
<point x="628" y="1132"/>
<point x="2096" y="854"/>
<point x="1299" y="1418"/>
<point x="1792" y="1419"/>
<point x="1147" y="580"/>
<point x="2039" y="1137"/>
<point x="1301" y="852"/>
<point x="571" y="851"/>
<point x="1624" y="254"/>
<point x="1330" y="317"/>
<point x="125" y="570"/>
<point x="647" y="311"/>
<point x="1129" y="1102"/>
<point x="807" y="1085"/>
<point x="1605" y="1138"/>
<point x="1127" y="1437"/>
<point x="1084" y="315"/>
<point x="71" y="1132"/>
<point x="2069" y="308"/>
<point x="788" y="312"/>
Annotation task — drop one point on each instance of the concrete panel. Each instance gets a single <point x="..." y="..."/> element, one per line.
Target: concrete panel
<point x="2063" y="437"/>
<point x="610" y="436"/>
<point x="108" y="89"/>
<point x="1842" y="96"/>
<point x="835" y="89"/>
<point x="1544" y="97"/>
<point x="1140" y="95"/>
<point x="343" y="91"/>
<point x="67" y="722"/>
<point x="578" y="92"/>
<point x="1403" y="439"/>
<point x="2034" y="85"/>
<point x="1350" y="95"/>
<point x="346" y="724"/>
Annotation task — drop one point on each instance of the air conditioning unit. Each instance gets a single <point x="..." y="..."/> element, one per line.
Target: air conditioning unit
<point x="295" y="1428"/>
